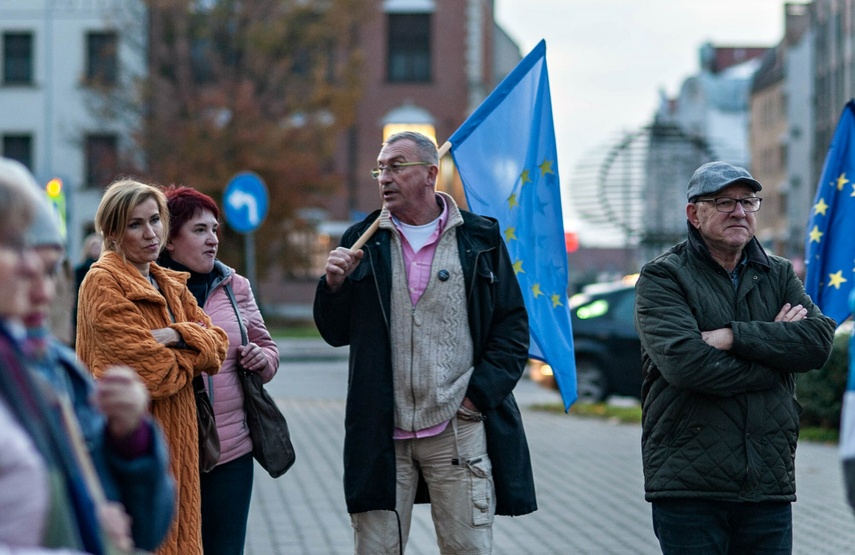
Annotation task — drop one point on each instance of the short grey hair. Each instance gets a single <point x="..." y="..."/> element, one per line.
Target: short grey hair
<point x="424" y="145"/>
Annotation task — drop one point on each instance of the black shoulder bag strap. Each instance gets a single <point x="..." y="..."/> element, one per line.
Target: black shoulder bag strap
<point x="231" y="295"/>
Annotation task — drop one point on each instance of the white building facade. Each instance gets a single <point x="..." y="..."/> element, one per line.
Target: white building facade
<point x="50" y="51"/>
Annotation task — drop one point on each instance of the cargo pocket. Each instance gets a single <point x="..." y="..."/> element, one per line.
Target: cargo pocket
<point x="481" y="488"/>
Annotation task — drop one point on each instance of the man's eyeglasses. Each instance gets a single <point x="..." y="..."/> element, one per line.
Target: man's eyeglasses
<point x="396" y="168"/>
<point x="728" y="205"/>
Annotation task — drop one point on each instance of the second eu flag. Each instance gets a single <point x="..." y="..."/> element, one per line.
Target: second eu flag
<point x="829" y="246"/>
<point x="506" y="156"/>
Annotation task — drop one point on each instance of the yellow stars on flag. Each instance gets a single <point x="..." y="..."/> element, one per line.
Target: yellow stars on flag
<point x="841" y="181"/>
<point x="836" y="279"/>
<point x="518" y="269"/>
<point x="546" y="167"/>
<point x="512" y="201"/>
<point x="536" y="291"/>
<point x="524" y="178"/>
<point x="510" y="234"/>
<point x="820" y="207"/>
<point x="816" y="234"/>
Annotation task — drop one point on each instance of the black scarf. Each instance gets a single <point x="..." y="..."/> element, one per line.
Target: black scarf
<point x="199" y="284"/>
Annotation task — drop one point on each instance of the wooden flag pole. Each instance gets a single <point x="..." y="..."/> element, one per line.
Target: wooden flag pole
<point x="366" y="235"/>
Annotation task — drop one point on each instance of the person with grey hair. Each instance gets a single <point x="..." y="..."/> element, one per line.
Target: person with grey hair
<point x="724" y="328"/>
<point x="127" y="447"/>
<point x="47" y="504"/>
<point x="438" y="336"/>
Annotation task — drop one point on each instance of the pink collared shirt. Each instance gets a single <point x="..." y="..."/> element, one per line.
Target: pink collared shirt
<point x="418" y="265"/>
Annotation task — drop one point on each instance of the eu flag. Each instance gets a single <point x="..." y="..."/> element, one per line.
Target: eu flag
<point x="506" y="156"/>
<point x="847" y="423"/>
<point x="829" y="247"/>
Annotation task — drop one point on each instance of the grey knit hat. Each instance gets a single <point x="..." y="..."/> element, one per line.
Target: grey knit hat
<point x="44" y="231"/>
<point x="712" y="177"/>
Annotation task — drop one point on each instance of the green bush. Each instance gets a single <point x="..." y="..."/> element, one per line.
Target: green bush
<point x="820" y="392"/>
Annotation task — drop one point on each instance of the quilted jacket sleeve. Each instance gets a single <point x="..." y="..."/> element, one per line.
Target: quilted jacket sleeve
<point x="787" y="346"/>
<point x="671" y="338"/>
<point x="256" y="330"/>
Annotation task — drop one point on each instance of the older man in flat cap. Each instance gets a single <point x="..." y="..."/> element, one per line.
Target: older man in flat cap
<point x="724" y="327"/>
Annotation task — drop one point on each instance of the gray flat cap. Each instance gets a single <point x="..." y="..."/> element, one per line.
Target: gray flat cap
<point x="712" y="177"/>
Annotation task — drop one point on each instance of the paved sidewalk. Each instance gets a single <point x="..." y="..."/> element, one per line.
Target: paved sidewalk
<point x="297" y="350"/>
<point x="587" y="474"/>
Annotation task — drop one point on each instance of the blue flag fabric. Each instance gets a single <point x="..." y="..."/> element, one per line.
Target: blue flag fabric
<point x="847" y="423"/>
<point x="829" y="246"/>
<point x="506" y="156"/>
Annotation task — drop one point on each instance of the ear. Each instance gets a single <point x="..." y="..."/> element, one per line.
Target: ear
<point x="169" y="246"/>
<point x="692" y="214"/>
<point x="433" y="171"/>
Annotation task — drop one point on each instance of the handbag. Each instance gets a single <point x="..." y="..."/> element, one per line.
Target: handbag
<point x="209" y="439"/>
<point x="268" y="429"/>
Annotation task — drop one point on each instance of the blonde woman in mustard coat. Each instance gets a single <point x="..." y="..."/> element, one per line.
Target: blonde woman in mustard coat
<point x="133" y="312"/>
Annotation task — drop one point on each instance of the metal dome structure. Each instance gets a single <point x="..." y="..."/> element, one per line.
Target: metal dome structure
<point x="637" y="190"/>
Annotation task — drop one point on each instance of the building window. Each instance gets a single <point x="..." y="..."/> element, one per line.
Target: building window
<point x="101" y="159"/>
<point x="17" y="58"/>
<point x="409" y="48"/>
<point x="20" y="148"/>
<point x="102" y="58"/>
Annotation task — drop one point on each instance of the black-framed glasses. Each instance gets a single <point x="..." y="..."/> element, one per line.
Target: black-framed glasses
<point x="728" y="204"/>
<point x="396" y="168"/>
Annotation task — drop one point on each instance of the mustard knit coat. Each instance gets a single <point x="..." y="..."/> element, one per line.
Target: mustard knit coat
<point x="118" y="308"/>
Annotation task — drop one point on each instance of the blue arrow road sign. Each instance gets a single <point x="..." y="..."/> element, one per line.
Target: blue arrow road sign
<point x="245" y="202"/>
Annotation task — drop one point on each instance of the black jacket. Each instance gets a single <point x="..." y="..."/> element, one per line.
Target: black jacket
<point x="358" y="315"/>
<point x="723" y="424"/>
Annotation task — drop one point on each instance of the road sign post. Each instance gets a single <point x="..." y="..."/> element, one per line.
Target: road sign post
<point x="245" y="205"/>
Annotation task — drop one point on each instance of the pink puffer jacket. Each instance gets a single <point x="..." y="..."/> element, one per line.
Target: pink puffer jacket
<point x="224" y="388"/>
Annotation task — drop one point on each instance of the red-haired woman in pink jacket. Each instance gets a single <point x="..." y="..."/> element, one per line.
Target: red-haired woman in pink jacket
<point x="192" y="247"/>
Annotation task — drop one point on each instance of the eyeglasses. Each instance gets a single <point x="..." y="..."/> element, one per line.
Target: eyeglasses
<point x="728" y="205"/>
<point x="396" y="168"/>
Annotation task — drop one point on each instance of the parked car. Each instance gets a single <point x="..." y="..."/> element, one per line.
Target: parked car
<point x="606" y="345"/>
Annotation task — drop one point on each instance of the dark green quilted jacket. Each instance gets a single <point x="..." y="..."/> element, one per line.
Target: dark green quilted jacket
<point x="723" y="424"/>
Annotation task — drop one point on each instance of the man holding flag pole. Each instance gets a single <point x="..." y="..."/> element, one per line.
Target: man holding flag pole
<point x="430" y="301"/>
<point x="438" y="339"/>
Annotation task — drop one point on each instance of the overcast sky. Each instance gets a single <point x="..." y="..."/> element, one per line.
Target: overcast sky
<point x="608" y="59"/>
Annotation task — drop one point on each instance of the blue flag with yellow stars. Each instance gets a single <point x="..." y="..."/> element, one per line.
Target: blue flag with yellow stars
<point x="506" y="156"/>
<point x="830" y="243"/>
